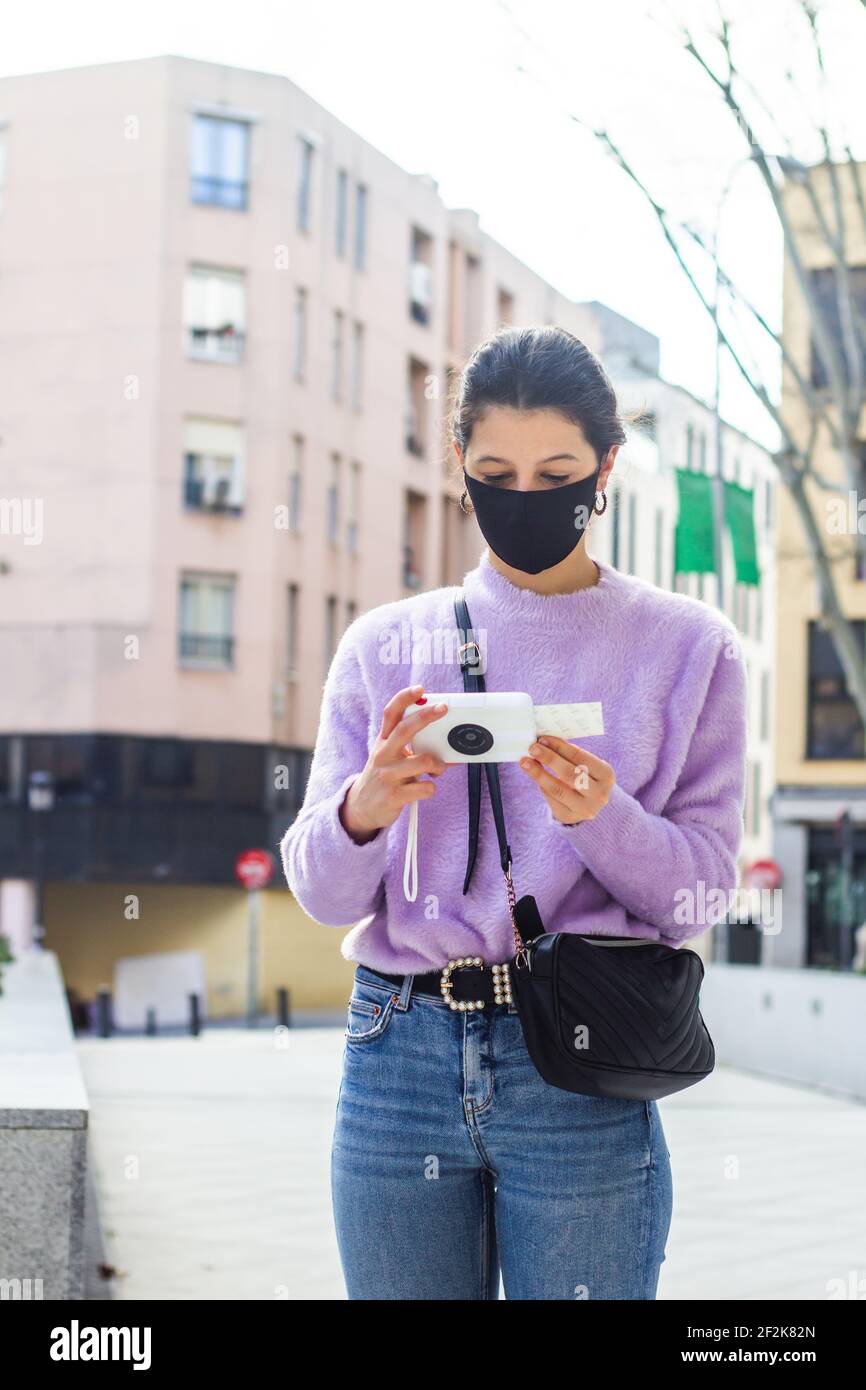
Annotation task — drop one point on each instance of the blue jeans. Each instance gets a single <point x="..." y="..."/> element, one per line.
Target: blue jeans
<point x="454" y="1162"/>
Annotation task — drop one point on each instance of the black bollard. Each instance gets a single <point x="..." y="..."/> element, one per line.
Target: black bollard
<point x="150" y="1023"/>
<point x="103" y="1013"/>
<point x="194" y="1016"/>
<point x="284" y="1018"/>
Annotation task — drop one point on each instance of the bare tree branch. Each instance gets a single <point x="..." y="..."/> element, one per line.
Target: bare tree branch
<point x="838" y="410"/>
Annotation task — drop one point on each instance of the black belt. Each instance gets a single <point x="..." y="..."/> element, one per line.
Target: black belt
<point x="465" y="984"/>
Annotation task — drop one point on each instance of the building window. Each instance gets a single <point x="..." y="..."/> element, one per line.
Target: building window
<point x="299" y="334"/>
<point x="361" y="207"/>
<point x="756" y="798"/>
<point x="337" y="356"/>
<point x="351" y="611"/>
<point x="416" y="409"/>
<point x="214" y="314"/>
<point x="332" y="507"/>
<point x="471" y="302"/>
<point x="292" y="632"/>
<point x="213" y="466"/>
<point x="703" y="455"/>
<point x="206" y="637"/>
<point x="219" y="162"/>
<point x="342" y="213"/>
<point x="835" y="729"/>
<point x="420" y="276"/>
<point x="742" y="607"/>
<point x="353" y="505"/>
<point x="296" y="483"/>
<point x="414" y="528"/>
<point x="825" y="290"/>
<point x="164" y="763"/>
<point x="615" y="527"/>
<point x="306" y="150"/>
<point x="504" y="308"/>
<point x="835" y="892"/>
<point x="356" y="385"/>
<point x="632" y="533"/>
<point x="768" y="503"/>
<point x="659" y="542"/>
<point x="330" y="630"/>
<point x="690" y="445"/>
<point x="765" y="705"/>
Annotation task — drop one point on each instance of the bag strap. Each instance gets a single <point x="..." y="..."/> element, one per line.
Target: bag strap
<point x="469" y="655"/>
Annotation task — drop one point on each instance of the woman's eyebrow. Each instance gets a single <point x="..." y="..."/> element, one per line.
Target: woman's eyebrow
<point x="554" y="458"/>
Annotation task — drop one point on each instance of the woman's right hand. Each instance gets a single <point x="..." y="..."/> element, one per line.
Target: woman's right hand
<point x="390" y="779"/>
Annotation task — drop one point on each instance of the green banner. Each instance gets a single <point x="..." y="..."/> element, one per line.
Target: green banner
<point x="740" y="520"/>
<point x="695" y="551"/>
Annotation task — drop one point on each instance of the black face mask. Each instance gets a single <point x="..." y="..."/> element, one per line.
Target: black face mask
<point x="532" y="531"/>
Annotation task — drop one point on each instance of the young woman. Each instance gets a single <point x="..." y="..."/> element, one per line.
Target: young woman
<point x="453" y="1161"/>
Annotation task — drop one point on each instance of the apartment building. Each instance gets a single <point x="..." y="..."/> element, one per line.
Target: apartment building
<point x="819" y="807"/>
<point x="227" y="329"/>
<point x="681" y="434"/>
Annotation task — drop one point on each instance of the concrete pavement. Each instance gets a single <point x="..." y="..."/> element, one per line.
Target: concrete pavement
<point x="211" y="1162"/>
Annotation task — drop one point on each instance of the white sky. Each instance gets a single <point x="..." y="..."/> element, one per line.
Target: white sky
<point x="439" y="88"/>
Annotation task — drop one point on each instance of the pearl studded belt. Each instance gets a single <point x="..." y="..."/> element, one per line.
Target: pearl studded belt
<point x="464" y="984"/>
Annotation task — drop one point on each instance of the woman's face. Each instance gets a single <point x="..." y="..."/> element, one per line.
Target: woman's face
<point x="530" y="449"/>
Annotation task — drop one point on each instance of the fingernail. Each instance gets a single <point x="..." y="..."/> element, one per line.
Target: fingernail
<point x="440" y="709"/>
<point x="526" y="762"/>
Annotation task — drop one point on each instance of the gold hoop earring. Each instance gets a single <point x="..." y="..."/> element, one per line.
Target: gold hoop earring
<point x="600" y="510"/>
<point x="465" y="510"/>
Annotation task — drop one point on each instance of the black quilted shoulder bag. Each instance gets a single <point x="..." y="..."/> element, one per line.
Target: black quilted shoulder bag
<point x="601" y="1015"/>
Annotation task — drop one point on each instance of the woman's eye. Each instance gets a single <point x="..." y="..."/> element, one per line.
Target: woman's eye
<point x="556" y="478"/>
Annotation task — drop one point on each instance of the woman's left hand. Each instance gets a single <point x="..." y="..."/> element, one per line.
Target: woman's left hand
<point x="575" y="784"/>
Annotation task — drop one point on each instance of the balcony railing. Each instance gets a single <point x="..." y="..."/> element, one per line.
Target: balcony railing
<point x="206" y="648"/>
<point x="199" y="497"/>
<point x="221" y="193"/>
<point x="224" y="344"/>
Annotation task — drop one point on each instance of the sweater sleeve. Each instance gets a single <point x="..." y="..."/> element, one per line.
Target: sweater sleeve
<point x="676" y="870"/>
<point x="335" y="880"/>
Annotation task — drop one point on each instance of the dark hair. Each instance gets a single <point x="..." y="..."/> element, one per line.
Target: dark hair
<point x="544" y="368"/>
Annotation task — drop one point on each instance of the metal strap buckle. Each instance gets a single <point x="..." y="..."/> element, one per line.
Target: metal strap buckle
<point x="467" y="660"/>
<point x="501" y="983"/>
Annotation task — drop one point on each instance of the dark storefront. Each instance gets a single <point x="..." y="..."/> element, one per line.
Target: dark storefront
<point x="835" y="893"/>
<point x="128" y="808"/>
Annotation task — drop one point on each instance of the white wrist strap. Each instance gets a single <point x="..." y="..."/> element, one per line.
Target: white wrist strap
<point x="410" y="864"/>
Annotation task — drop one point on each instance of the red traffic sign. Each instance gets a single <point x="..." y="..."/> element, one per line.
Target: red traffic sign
<point x="764" y="873"/>
<point x="254" y="868"/>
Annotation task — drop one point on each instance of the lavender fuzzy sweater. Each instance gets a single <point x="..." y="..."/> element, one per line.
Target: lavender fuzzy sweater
<point x="670" y="675"/>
